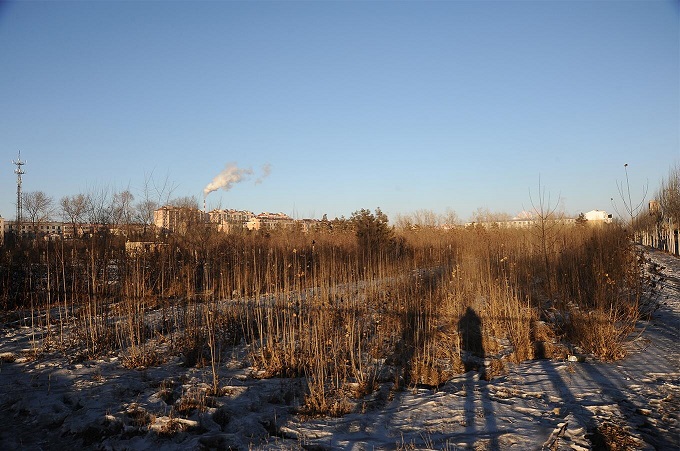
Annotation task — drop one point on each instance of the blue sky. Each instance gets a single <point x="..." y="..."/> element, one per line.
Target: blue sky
<point x="398" y="105"/>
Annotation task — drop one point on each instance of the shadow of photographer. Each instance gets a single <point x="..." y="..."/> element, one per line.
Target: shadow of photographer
<point x="472" y="348"/>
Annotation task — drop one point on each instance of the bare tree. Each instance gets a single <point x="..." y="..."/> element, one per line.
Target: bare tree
<point x="153" y="195"/>
<point x="144" y="211"/>
<point x="184" y="202"/>
<point x="162" y="191"/>
<point x="38" y="206"/>
<point x="546" y="223"/>
<point x="666" y="211"/>
<point x="424" y="219"/>
<point x="122" y="212"/>
<point x="73" y="209"/>
<point x="631" y="209"/>
<point x="99" y="206"/>
<point x="419" y="219"/>
<point x="669" y="195"/>
<point x="486" y="215"/>
<point x="450" y="219"/>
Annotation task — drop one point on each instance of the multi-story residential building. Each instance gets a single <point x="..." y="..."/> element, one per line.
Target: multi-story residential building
<point x="270" y="221"/>
<point x="177" y="219"/>
<point x="52" y="229"/>
<point x="42" y="229"/>
<point x="308" y="225"/>
<point x="229" y="220"/>
<point x="84" y="229"/>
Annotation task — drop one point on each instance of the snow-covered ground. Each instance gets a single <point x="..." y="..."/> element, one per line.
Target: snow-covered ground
<point x="51" y="403"/>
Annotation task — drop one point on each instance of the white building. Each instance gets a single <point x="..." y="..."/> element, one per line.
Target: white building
<point x="598" y="215"/>
<point x="519" y="223"/>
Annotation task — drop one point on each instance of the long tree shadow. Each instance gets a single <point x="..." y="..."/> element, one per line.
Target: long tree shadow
<point x="611" y="392"/>
<point x="17" y="421"/>
<point x="414" y="326"/>
<point x="570" y="404"/>
<point x="633" y="413"/>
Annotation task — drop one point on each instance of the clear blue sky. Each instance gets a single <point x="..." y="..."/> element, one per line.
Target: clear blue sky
<point x="398" y="105"/>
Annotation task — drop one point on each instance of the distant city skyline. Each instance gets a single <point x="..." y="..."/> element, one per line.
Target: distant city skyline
<point x="330" y="107"/>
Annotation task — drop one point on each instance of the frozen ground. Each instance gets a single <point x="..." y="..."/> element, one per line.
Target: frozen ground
<point x="51" y="403"/>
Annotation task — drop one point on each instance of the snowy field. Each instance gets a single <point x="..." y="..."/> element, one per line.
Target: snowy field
<point x="54" y="403"/>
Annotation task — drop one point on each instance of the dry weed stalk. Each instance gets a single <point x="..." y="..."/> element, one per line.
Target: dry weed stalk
<point x="321" y="305"/>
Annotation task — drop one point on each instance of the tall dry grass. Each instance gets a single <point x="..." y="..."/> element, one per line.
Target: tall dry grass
<point x="423" y="305"/>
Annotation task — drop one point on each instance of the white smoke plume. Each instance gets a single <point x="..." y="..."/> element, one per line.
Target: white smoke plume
<point x="233" y="174"/>
<point x="225" y="179"/>
<point x="266" y="170"/>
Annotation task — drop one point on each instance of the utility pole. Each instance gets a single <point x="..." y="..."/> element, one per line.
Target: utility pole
<point x="18" y="171"/>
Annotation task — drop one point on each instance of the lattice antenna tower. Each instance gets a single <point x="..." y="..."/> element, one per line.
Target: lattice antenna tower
<point x="19" y="172"/>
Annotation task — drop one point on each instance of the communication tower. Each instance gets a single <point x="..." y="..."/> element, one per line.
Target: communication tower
<point x="19" y="171"/>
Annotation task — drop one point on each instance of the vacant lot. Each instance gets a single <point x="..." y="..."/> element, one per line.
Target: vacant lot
<point x="486" y="338"/>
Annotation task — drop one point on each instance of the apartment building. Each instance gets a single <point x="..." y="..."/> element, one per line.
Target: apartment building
<point x="270" y="221"/>
<point x="43" y="229"/>
<point x="177" y="219"/>
<point x="229" y="220"/>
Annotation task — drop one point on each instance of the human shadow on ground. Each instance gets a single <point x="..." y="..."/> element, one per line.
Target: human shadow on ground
<point x="479" y="416"/>
<point x="472" y="350"/>
<point x="470" y="330"/>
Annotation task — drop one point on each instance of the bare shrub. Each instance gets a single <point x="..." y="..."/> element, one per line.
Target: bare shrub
<point x="7" y="357"/>
<point x="601" y="333"/>
<point x="495" y="368"/>
<point x="610" y="435"/>
<point x="167" y="391"/>
<point x="194" y="399"/>
<point x="139" y="416"/>
<point x="137" y="357"/>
